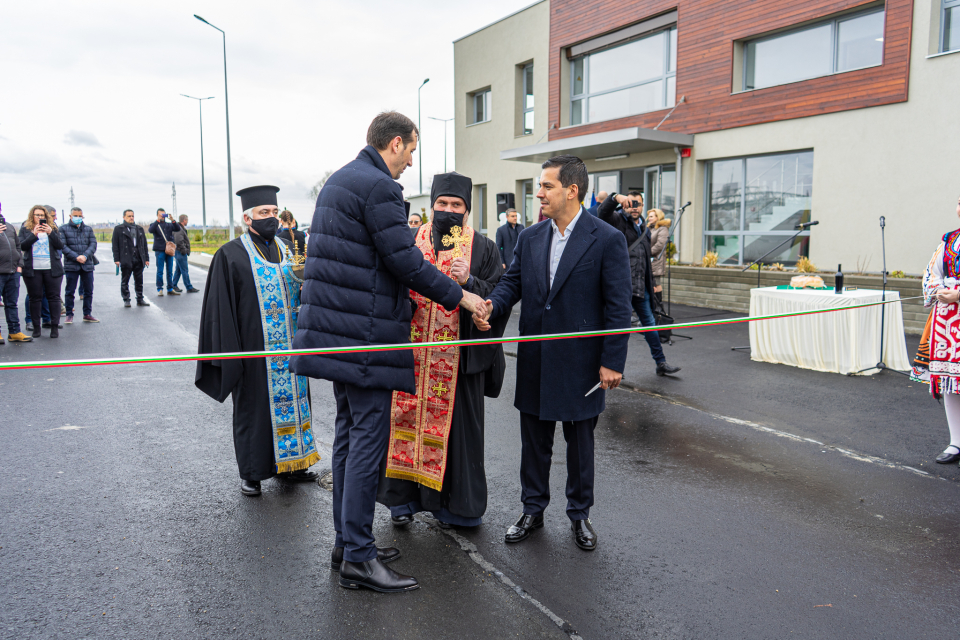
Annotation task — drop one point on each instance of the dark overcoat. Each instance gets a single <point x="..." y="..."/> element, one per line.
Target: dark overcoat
<point x="78" y="241"/>
<point x="591" y="292"/>
<point x="361" y="264"/>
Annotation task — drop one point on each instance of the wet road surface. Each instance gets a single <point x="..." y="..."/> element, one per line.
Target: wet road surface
<point x="739" y="500"/>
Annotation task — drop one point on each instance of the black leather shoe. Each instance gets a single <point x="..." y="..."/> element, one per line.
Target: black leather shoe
<point x="142" y="303"/>
<point x="521" y="530"/>
<point x="401" y="521"/>
<point x="663" y="369"/>
<point x="126" y="303"/>
<point x="249" y="487"/>
<point x="375" y="575"/>
<point x="193" y="290"/>
<point x="302" y="475"/>
<point x="444" y="525"/>
<point x="178" y="289"/>
<point x="384" y="555"/>
<point x="584" y="535"/>
<point x="948" y="458"/>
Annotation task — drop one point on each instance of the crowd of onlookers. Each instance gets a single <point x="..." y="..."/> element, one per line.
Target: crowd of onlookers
<point x="44" y="255"/>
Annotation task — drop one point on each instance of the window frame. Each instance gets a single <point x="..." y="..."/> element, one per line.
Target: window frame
<point x="487" y="96"/>
<point x="669" y="61"/>
<point x="946" y="5"/>
<point x="482" y="208"/>
<point x="524" y="108"/>
<point x="834" y="43"/>
<point x="741" y="232"/>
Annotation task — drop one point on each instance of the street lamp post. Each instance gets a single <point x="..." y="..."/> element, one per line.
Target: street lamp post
<point x="420" y="134"/>
<point x="226" y="100"/>
<point x="444" y="121"/>
<point x="203" y="181"/>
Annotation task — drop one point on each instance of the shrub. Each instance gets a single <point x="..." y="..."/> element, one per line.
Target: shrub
<point x="805" y="266"/>
<point x="898" y="274"/>
<point x="710" y="259"/>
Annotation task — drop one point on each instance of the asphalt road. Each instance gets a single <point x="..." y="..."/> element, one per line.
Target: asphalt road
<point x="738" y="500"/>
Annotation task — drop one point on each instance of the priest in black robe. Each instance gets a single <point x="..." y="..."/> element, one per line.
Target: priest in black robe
<point x="458" y="497"/>
<point x="271" y="428"/>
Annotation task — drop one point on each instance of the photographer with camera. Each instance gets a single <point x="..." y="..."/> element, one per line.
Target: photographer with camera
<point x="42" y="267"/>
<point x="624" y="213"/>
<point x="165" y="249"/>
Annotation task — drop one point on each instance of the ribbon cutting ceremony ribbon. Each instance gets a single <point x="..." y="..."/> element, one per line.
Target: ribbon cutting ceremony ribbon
<point x="6" y="366"/>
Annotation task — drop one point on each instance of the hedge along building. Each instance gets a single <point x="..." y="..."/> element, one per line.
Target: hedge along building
<point x="762" y="115"/>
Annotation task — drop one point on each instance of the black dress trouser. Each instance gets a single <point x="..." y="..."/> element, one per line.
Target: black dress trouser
<point x="137" y="271"/>
<point x="536" y="439"/>
<point x="43" y="285"/>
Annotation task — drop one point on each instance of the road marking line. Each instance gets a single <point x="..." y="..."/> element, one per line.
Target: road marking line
<point x="67" y="427"/>
<point x="853" y="455"/>
<point x="474" y="554"/>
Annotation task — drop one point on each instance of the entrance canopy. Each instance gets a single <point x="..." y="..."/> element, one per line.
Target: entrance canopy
<point x="601" y="145"/>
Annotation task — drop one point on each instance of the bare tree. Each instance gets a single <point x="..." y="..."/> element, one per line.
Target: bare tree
<point x="315" y="191"/>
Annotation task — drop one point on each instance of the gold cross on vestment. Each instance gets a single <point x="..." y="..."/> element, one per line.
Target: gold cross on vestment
<point x="456" y="239"/>
<point x="445" y="335"/>
<point x="414" y="334"/>
<point x="439" y="389"/>
<point x="274" y="311"/>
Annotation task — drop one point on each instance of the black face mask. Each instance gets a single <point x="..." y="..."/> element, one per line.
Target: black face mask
<point x="266" y="227"/>
<point x="443" y="221"/>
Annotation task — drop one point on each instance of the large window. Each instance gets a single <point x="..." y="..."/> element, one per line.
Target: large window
<point x="528" y="99"/>
<point x="950" y="26"/>
<point x="631" y="78"/>
<point x="754" y="204"/>
<point x="480" y="104"/>
<point x="843" y="44"/>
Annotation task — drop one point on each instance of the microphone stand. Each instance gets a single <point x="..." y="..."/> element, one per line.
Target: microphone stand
<point x="759" y="263"/>
<point x="883" y="297"/>
<point x="670" y="271"/>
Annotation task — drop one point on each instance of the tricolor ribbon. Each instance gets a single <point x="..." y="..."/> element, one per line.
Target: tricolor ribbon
<point x="423" y="345"/>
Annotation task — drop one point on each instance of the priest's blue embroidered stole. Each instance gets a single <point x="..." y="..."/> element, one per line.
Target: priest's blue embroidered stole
<point x="278" y="291"/>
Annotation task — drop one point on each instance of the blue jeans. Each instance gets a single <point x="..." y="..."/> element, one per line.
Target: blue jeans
<point x="85" y="278"/>
<point x="45" y="306"/>
<point x="10" y="290"/>
<point x="164" y="259"/>
<point x="642" y="307"/>
<point x="182" y="269"/>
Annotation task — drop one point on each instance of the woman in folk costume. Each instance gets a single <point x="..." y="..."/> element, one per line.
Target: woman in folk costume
<point x="435" y="457"/>
<point x="941" y="289"/>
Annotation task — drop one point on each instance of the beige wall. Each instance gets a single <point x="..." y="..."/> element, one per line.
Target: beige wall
<point x="490" y="58"/>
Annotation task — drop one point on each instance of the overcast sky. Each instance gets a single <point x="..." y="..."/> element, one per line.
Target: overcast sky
<point x="91" y="96"/>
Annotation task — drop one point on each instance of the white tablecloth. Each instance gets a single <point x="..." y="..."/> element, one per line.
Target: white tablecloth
<point x="839" y="341"/>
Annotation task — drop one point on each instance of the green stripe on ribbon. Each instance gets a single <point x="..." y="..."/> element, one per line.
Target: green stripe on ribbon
<point x="422" y="345"/>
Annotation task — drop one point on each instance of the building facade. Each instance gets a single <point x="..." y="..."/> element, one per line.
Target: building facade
<point x="761" y="115"/>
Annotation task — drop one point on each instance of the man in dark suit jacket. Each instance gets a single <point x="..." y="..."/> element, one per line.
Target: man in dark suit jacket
<point x="572" y="274"/>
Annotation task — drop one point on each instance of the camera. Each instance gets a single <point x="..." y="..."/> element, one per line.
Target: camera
<point x="634" y="204"/>
<point x="2" y="219"/>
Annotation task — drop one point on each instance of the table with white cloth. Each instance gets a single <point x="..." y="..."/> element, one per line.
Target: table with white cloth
<point x="838" y="341"/>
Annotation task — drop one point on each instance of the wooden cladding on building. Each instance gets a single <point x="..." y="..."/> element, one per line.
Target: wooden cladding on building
<point x="707" y="33"/>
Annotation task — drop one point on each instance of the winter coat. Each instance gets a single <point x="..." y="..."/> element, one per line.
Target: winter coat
<point x="361" y="264"/>
<point x="159" y="244"/>
<point x="27" y="238"/>
<point x="641" y="275"/>
<point x="182" y="239"/>
<point x="590" y="292"/>
<point x="507" y="241"/>
<point x="123" y="249"/>
<point x="658" y="242"/>
<point x="11" y="256"/>
<point x="78" y="241"/>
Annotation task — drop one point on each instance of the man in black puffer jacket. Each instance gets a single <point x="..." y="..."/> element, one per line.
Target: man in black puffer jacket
<point x="79" y="247"/>
<point x="625" y="213"/>
<point x="361" y="264"/>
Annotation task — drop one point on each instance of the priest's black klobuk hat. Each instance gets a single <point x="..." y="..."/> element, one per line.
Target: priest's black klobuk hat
<point x="451" y="184"/>
<point x="261" y="196"/>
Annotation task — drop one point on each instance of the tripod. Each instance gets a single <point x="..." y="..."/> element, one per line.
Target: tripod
<point x="883" y="297"/>
<point x="759" y="263"/>
<point x="670" y="271"/>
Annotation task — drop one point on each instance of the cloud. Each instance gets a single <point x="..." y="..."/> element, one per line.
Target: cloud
<point x="81" y="139"/>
